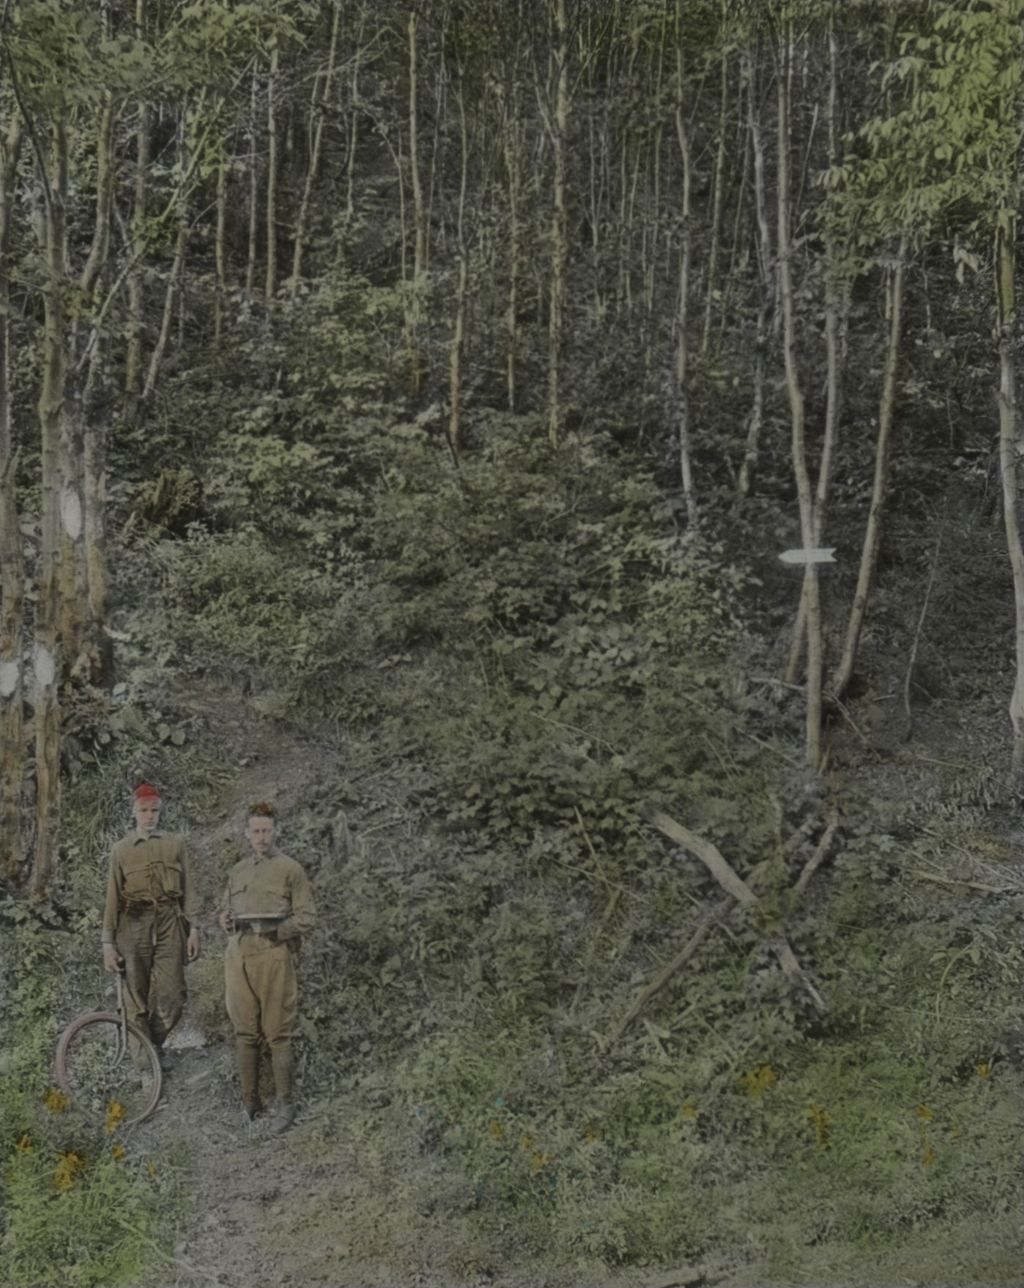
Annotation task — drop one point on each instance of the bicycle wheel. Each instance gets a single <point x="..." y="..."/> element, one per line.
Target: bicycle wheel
<point x="102" y="1075"/>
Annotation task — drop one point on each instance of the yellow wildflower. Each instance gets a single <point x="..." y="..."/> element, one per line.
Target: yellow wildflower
<point x="822" y="1122"/>
<point x="539" y="1161"/>
<point x="526" y="1142"/>
<point x="151" y="1169"/>
<point x="67" y="1169"/>
<point x="25" y="1146"/>
<point x="115" y="1115"/>
<point x="928" y="1156"/>
<point x="56" y="1101"/>
<point x="497" y="1131"/>
<point x="983" y="1069"/>
<point x="757" y="1082"/>
<point x="118" y="1150"/>
<point x="924" y="1113"/>
<point x="690" y="1110"/>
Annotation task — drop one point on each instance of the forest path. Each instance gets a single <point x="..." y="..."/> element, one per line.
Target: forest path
<point x="309" y="1208"/>
<point x="256" y="1210"/>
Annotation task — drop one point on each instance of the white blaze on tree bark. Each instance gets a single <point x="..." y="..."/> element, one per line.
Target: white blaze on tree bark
<point x="10" y="674"/>
<point x="44" y="665"/>
<point x="71" y="512"/>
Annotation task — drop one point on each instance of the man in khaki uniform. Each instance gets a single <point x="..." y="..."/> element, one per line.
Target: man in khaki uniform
<point x="149" y="919"/>
<point x="267" y="908"/>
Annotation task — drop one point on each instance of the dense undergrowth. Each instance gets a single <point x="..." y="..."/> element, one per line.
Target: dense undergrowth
<point x="510" y="660"/>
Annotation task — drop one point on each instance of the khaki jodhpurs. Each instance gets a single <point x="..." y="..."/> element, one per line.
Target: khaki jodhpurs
<point x="262" y="996"/>
<point x="153" y="947"/>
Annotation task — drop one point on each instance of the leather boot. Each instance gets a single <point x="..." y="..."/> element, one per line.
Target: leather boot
<point x="284" y="1118"/>
<point x="248" y="1056"/>
<point x="284" y="1085"/>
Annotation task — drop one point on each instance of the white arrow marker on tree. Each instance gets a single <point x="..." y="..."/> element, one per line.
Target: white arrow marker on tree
<point x="809" y="555"/>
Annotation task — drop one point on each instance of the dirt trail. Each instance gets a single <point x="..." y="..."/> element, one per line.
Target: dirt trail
<point x="248" y="1188"/>
<point x="296" y="1209"/>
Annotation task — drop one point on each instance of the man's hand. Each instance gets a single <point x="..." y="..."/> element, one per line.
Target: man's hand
<point x="112" y="959"/>
<point x="227" y="922"/>
<point x="192" y="945"/>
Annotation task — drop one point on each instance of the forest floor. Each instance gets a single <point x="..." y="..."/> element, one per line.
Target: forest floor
<point x="312" y="1208"/>
<point x="297" y="1209"/>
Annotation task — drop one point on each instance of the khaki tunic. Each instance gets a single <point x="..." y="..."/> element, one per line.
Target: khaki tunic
<point x="261" y="990"/>
<point x="151" y="903"/>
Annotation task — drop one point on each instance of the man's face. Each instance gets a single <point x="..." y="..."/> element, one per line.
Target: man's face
<point x="260" y="831"/>
<point x="147" y="815"/>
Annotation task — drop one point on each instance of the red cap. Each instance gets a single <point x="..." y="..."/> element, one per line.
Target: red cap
<point x="146" y="792"/>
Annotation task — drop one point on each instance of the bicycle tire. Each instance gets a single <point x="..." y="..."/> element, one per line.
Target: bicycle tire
<point x="100" y="1077"/>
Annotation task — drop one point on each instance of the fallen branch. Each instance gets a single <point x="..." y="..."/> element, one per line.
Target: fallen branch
<point x="818" y="857"/>
<point x="685" y="953"/>
<point x="709" y="854"/>
<point x="957" y="881"/>
<point x="738" y="891"/>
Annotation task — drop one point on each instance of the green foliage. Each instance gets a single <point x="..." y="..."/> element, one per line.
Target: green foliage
<point x="79" y="1209"/>
<point x="949" y="140"/>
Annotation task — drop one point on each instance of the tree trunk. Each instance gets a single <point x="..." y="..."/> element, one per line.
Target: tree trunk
<point x="455" y="425"/>
<point x="93" y="660"/>
<point x="220" y="250"/>
<point x="767" y="274"/>
<point x="51" y="412"/>
<point x="417" y="362"/>
<point x="718" y="186"/>
<point x="12" y="562"/>
<point x="174" y="277"/>
<point x="559" y="220"/>
<point x="798" y="428"/>
<point x="876" y="513"/>
<point x="1006" y="308"/>
<point x="318" y="110"/>
<point x="512" y="155"/>
<point x="835" y="345"/>
<point x="136" y="323"/>
<point x="254" y="193"/>
<point x="682" y="390"/>
<point x="273" y="165"/>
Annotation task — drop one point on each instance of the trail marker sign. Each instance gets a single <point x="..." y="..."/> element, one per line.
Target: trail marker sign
<point x="809" y="555"/>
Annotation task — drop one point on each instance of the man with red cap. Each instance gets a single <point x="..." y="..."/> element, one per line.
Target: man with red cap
<point x="150" y="919"/>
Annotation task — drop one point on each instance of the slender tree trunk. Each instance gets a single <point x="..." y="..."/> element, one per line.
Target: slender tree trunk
<point x="254" y="192"/>
<point x="455" y="424"/>
<point x="273" y="166"/>
<point x="220" y="250"/>
<point x="511" y="135"/>
<point x="835" y="347"/>
<point x="353" y="132"/>
<point x="88" y="431"/>
<point x="682" y="357"/>
<point x="51" y="414"/>
<point x="559" y="221"/>
<point x="718" y="187"/>
<point x="95" y="489"/>
<point x="876" y="513"/>
<point x="417" y="364"/>
<point x="1006" y="309"/>
<point x="140" y="182"/>
<point x="739" y="250"/>
<point x="174" y="279"/>
<point x="318" y="110"/>
<point x="768" y="277"/>
<point x="798" y="428"/>
<point x="12" y="562"/>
